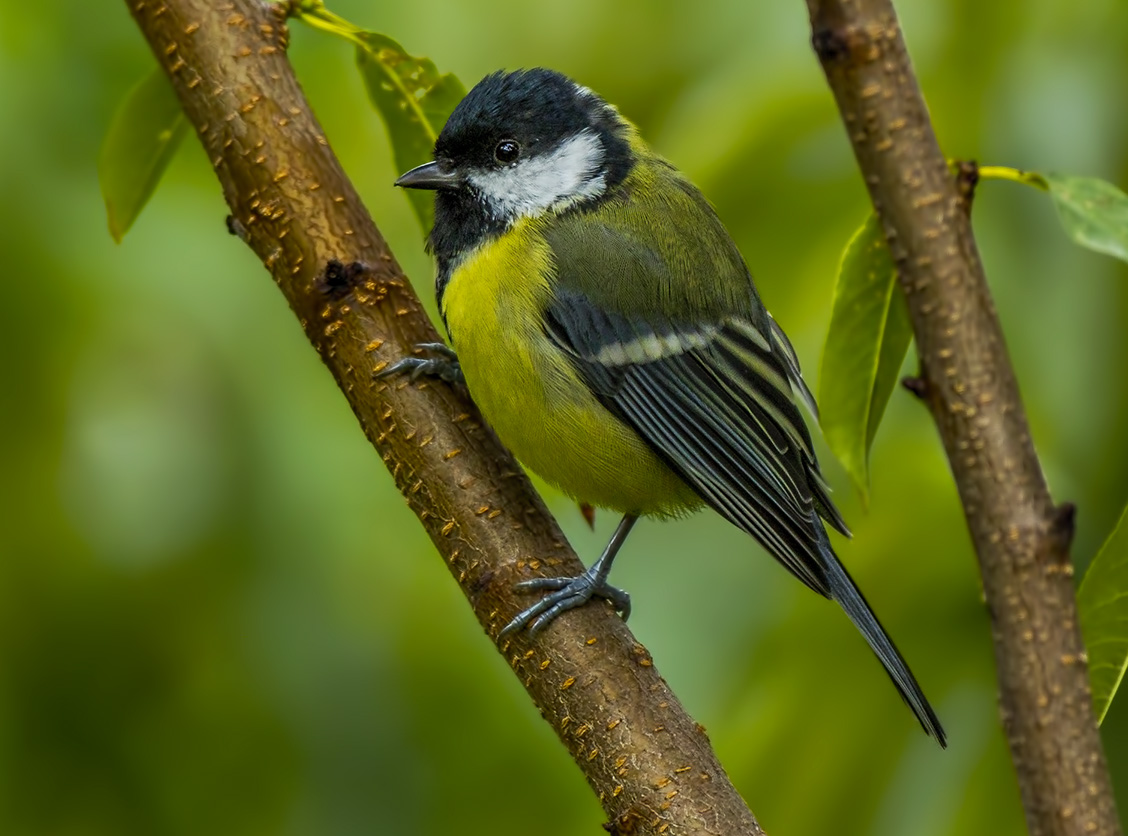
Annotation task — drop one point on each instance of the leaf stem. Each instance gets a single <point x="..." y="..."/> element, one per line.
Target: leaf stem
<point x="1015" y="175"/>
<point x="314" y="13"/>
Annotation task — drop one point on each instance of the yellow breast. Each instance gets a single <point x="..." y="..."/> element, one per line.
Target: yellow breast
<point x="531" y="394"/>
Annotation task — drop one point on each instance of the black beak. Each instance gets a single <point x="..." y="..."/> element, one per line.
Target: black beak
<point x="430" y="176"/>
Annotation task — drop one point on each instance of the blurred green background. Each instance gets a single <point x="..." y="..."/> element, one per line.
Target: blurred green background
<point x="217" y="616"/>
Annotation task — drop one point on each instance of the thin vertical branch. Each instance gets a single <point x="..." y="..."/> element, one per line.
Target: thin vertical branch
<point x="1022" y="539"/>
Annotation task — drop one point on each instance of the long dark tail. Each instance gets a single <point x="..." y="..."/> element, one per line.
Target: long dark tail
<point x="846" y="592"/>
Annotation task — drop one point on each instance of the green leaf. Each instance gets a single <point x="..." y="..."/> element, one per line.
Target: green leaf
<point x="1102" y="603"/>
<point x="414" y="101"/>
<point x="1093" y="212"/>
<point x="409" y="93"/>
<point x="144" y="134"/>
<point x="868" y="337"/>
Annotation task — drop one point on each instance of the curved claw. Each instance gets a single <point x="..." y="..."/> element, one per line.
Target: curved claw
<point x="567" y="594"/>
<point x="445" y="366"/>
<point x="439" y="348"/>
<point x="538" y="584"/>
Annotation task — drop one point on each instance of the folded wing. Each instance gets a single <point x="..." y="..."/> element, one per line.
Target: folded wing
<point x="716" y="401"/>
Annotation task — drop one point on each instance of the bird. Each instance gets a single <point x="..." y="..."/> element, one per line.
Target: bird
<point x="609" y="330"/>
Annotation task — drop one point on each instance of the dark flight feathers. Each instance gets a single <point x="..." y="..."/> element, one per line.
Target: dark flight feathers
<point x="715" y="418"/>
<point x="716" y="402"/>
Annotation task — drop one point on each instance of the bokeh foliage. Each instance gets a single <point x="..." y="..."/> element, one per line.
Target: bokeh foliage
<point x="216" y="615"/>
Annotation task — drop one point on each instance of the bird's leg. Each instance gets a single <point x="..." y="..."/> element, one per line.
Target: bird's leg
<point x="568" y="593"/>
<point x="444" y="365"/>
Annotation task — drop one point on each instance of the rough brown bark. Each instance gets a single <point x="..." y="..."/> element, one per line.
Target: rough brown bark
<point x="651" y="766"/>
<point x="1022" y="539"/>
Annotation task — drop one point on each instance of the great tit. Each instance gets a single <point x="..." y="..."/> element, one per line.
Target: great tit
<point x="608" y="329"/>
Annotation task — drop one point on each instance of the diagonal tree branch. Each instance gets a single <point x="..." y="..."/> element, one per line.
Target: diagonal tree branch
<point x="651" y="766"/>
<point x="1022" y="539"/>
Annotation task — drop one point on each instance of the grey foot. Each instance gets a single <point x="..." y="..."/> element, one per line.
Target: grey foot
<point x="566" y="594"/>
<point x="445" y="366"/>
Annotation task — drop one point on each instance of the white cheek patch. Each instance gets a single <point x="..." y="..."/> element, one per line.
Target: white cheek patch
<point x="549" y="181"/>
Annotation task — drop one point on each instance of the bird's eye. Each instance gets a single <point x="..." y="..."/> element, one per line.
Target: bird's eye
<point x="507" y="151"/>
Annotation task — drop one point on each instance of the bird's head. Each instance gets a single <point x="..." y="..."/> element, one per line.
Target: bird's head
<point x="525" y="143"/>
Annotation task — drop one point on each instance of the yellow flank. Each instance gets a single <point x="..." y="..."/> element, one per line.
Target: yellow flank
<point x="532" y="396"/>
